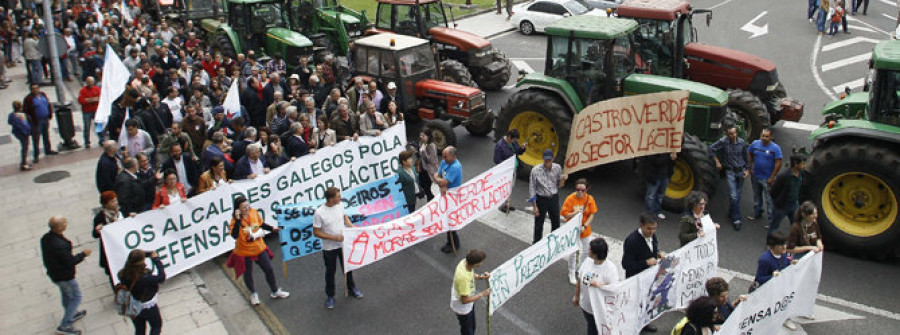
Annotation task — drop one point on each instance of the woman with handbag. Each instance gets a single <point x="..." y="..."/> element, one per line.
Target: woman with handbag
<point x="144" y="286"/>
<point x="247" y="229"/>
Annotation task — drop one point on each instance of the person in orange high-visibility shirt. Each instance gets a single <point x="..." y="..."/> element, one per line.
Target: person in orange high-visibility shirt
<point x="247" y="228"/>
<point x="580" y="202"/>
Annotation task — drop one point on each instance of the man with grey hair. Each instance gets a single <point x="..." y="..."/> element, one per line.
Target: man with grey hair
<point x="309" y="108"/>
<point x="128" y="188"/>
<point x="60" y="263"/>
<point x="355" y="92"/>
<point x="280" y="123"/>
<point x="217" y="148"/>
<point x="251" y="166"/>
<point x="272" y="109"/>
<point x="372" y="122"/>
<point x="345" y="124"/>
<point x="239" y="148"/>
<point x="107" y="167"/>
<point x="296" y="146"/>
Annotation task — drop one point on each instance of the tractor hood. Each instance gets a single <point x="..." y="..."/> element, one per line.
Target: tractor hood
<point x="853" y="106"/>
<point x="462" y="40"/>
<point x="729" y="57"/>
<point x="430" y="87"/>
<point x="291" y="38"/>
<point x="345" y="17"/>
<point x="701" y="94"/>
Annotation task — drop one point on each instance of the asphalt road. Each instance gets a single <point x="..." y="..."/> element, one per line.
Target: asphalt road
<point x="409" y="292"/>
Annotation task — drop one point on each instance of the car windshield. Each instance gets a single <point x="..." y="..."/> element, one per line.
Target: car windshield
<point x="576" y="7"/>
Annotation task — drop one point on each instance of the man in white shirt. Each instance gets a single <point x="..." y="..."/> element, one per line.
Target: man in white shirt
<point x="136" y="140"/>
<point x="595" y="273"/>
<point x="175" y="103"/>
<point x="328" y="224"/>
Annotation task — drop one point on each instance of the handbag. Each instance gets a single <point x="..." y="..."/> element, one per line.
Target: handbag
<point x="126" y="304"/>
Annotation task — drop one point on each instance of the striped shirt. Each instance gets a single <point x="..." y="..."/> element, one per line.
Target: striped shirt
<point x="544" y="182"/>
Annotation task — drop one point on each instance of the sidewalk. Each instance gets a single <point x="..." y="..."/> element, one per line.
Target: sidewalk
<point x="486" y="24"/>
<point x="32" y="303"/>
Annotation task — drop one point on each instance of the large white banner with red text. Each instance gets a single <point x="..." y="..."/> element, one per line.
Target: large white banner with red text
<point x="452" y="211"/>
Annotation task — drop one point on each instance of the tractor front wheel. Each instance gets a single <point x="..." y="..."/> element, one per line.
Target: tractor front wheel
<point x="751" y="113"/>
<point x="455" y="72"/>
<point x="441" y="133"/>
<point x="855" y="186"/>
<point x="543" y="123"/>
<point x="481" y="124"/>
<point x="695" y="170"/>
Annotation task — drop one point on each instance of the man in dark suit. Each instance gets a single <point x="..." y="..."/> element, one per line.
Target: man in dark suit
<point x="185" y="168"/>
<point x="129" y="189"/>
<point x="641" y="250"/>
<point x="239" y="147"/>
<point x="217" y="149"/>
<point x="274" y="85"/>
<point x="176" y="81"/>
<point x="107" y="167"/>
<point x="296" y="146"/>
<point x="252" y="99"/>
<point x="251" y="165"/>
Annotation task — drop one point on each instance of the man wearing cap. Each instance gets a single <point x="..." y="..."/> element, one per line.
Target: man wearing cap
<point x="543" y="192"/>
<point x="391" y="96"/>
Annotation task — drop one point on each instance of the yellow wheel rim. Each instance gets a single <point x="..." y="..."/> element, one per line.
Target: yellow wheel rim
<point x="682" y="182"/>
<point x="540" y="134"/>
<point x="859" y="204"/>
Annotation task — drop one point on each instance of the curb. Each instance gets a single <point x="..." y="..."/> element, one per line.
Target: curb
<point x="265" y="314"/>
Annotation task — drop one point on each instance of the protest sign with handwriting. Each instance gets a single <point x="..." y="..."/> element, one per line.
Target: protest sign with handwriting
<point x="627" y="127"/>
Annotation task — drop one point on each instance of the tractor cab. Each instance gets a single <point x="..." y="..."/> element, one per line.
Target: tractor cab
<point x="254" y="18"/>
<point x="594" y="59"/>
<point x="401" y="59"/>
<point x="260" y="25"/>
<point x="407" y="17"/>
<point x="666" y="27"/>
<point x="880" y="100"/>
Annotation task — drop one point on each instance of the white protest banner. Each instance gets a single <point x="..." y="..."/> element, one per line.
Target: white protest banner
<point x="793" y="293"/>
<point x="627" y="306"/>
<point x="453" y="211"/>
<point x="112" y="85"/>
<point x="189" y="233"/>
<point x="627" y="127"/>
<point x="510" y="277"/>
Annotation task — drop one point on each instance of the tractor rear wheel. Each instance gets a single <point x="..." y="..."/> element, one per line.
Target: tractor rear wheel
<point x="496" y="81"/>
<point x="695" y="170"/>
<point x="856" y="185"/>
<point x="455" y="72"/>
<point x="225" y="46"/>
<point x="481" y="125"/>
<point x="441" y="133"/>
<point x="750" y="111"/>
<point x="543" y="122"/>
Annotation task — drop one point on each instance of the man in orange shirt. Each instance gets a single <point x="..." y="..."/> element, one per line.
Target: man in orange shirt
<point x="580" y="202"/>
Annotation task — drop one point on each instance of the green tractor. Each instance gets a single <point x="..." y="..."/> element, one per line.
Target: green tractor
<point x="590" y="59"/>
<point x="854" y="168"/>
<point x="260" y="25"/>
<point x="328" y="24"/>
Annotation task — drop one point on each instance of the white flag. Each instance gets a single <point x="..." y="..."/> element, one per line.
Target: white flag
<point x="115" y="77"/>
<point x="123" y="134"/>
<point x="99" y="13"/>
<point x="232" y="103"/>
<point x="125" y="10"/>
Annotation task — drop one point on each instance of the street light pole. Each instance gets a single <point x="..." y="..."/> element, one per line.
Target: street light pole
<point x="62" y="107"/>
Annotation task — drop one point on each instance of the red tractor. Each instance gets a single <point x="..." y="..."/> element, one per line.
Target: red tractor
<point x="437" y="105"/>
<point x="489" y="68"/>
<point x="668" y="44"/>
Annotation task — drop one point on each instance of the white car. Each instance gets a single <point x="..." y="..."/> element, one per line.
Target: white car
<point x="533" y="16"/>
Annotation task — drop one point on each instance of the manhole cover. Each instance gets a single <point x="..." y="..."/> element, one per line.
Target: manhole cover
<point x="51" y="177"/>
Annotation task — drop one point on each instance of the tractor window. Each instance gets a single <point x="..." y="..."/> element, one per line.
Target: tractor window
<point x="406" y="20"/>
<point x="388" y="64"/>
<point x="238" y="16"/>
<point x="266" y="15"/>
<point x="656" y="39"/>
<point x="373" y="62"/>
<point x="416" y="60"/>
<point x="383" y="20"/>
<point x="559" y="49"/>
<point x="888" y="97"/>
<point x="434" y="15"/>
<point x="589" y="74"/>
<point x="360" y="60"/>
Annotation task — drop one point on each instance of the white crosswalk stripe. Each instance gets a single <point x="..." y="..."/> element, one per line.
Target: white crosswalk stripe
<point x="841" y="44"/>
<point x="853" y="85"/>
<point x="845" y="61"/>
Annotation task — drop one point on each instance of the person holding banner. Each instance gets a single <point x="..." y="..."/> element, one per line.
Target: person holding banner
<point x="462" y="293"/>
<point x="596" y="273"/>
<point x="770" y="264"/>
<point x="427" y="164"/>
<point x="247" y="228"/>
<point x="328" y="224"/>
<point x="144" y="286"/>
<point x="717" y="288"/>
<point x="641" y="250"/>
<point x="583" y="203"/>
<point x="409" y="180"/>
<point x="691" y="225"/>
<point x="805" y="235"/>
<point x="251" y="166"/>
<point x="507" y="147"/>
<point x="543" y="192"/>
<point x="109" y="213"/>
<point x="449" y="175"/>
<point x="171" y="192"/>
<point x="701" y="313"/>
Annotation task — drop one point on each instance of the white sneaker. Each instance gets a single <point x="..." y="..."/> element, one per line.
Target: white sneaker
<point x="280" y="294"/>
<point x="661" y="216"/>
<point x="572" y="279"/>
<point x="254" y="299"/>
<point x="790" y="324"/>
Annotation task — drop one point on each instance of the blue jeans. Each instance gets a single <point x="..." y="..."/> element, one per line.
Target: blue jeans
<point x="87" y="119"/>
<point x="735" y="184"/>
<point x="71" y="298"/>
<point x="466" y="323"/>
<point x="812" y="9"/>
<point x="820" y="20"/>
<point x="24" y="152"/>
<point x="38" y="131"/>
<point x="778" y="215"/>
<point x="654" y="194"/>
<point x="834" y="28"/>
<point x="761" y="194"/>
<point x="35" y="71"/>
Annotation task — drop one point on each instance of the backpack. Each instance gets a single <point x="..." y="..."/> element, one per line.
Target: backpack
<point x="679" y="327"/>
<point x="126" y="304"/>
<point x="838" y="13"/>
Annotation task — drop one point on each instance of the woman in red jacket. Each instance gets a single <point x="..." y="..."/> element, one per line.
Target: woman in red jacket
<point x="170" y="192"/>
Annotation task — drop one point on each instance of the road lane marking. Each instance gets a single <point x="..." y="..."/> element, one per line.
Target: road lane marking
<point x="720" y="4"/>
<point x="846" y="61"/>
<point x="522" y="65"/>
<point x="523" y="325"/>
<point x="519" y="224"/>
<point x="799" y="126"/>
<point x="841" y="44"/>
<point x="853" y="84"/>
<point x="888" y="16"/>
<point x="889" y="3"/>
<point x="854" y="19"/>
<point x="812" y="65"/>
<point x="855" y="28"/>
